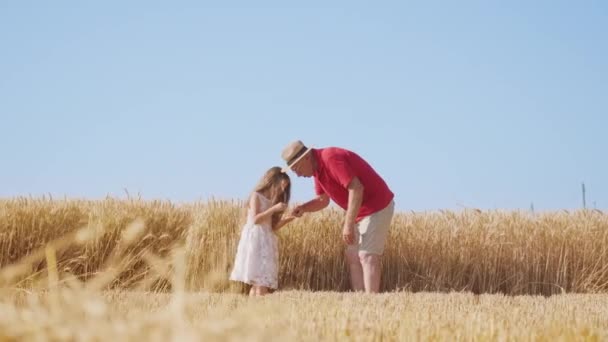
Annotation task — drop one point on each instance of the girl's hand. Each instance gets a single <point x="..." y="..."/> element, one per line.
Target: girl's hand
<point x="289" y="217"/>
<point x="279" y="207"/>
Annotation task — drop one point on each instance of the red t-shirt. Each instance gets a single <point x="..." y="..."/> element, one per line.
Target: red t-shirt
<point x="336" y="167"/>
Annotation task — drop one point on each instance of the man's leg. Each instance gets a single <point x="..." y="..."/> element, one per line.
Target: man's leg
<point x="354" y="267"/>
<point x="374" y="232"/>
<point x="372" y="270"/>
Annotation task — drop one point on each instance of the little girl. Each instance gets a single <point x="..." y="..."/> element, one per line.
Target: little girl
<point x="256" y="261"/>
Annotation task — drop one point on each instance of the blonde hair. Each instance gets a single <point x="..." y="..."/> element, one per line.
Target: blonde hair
<point x="270" y="183"/>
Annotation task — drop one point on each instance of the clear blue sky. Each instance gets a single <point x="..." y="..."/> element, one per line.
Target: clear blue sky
<point x="481" y="104"/>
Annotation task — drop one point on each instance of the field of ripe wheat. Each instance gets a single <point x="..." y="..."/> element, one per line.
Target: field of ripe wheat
<point x="79" y="315"/>
<point x="481" y="252"/>
<point x="152" y="270"/>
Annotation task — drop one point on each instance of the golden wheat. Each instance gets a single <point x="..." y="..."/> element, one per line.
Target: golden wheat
<point x="506" y="252"/>
<point x="301" y="316"/>
<point x="54" y="284"/>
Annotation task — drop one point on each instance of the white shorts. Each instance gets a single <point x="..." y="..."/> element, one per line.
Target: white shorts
<point x="372" y="231"/>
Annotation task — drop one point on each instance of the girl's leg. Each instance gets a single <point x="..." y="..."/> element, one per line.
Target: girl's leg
<point x="262" y="290"/>
<point x="252" y="291"/>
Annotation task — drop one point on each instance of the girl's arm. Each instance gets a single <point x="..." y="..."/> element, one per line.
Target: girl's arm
<point x="254" y="204"/>
<point x="283" y="222"/>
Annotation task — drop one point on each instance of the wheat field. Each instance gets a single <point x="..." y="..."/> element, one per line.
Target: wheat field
<point x="78" y="315"/>
<point x="154" y="270"/>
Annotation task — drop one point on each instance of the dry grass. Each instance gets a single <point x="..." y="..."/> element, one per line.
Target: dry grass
<point x="301" y="316"/>
<point x="481" y="252"/>
<point x="82" y="270"/>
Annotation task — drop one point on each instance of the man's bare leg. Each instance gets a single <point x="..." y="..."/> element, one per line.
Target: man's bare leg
<point x="371" y="271"/>
<point x="355" y="268"/>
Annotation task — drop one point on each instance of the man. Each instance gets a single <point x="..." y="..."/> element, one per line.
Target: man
<point x="348" y="180"/>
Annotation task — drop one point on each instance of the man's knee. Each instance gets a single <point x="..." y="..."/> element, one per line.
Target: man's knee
<point x="369" y="258"/>
<point x="352" y="255"/>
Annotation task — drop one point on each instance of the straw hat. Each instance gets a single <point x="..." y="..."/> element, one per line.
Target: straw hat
<point x="293" y="152"/>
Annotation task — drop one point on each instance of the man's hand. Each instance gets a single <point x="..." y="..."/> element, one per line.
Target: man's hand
<point x="348" y="234"/>
<point x="297" y="211"/>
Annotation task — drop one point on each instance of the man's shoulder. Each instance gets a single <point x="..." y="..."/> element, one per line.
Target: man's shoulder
<point x="333" y="152"/>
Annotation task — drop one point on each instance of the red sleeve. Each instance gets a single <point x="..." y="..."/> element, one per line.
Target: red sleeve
<point x="318" y="189"/>
<point x="341" y="170"/>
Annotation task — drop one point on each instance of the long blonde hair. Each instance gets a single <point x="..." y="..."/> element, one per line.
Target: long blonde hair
<point x="271" y="185"/>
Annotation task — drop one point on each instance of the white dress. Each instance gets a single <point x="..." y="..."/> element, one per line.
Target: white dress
<point x="257" y="256"/>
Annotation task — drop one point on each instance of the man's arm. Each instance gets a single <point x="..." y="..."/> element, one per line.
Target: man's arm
<point x="355" y="198"/>
<point x="316" y="204"/>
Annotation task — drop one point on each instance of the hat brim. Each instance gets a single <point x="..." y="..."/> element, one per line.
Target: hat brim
<point x="289" y="166"/>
